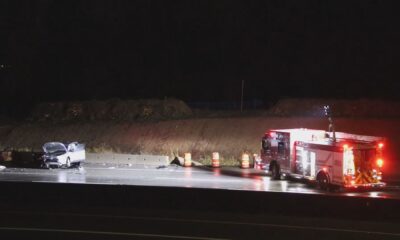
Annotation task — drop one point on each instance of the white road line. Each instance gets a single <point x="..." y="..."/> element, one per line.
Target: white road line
<point x="329" y="229"/>
<point x="199" y="179"/>
<point x="106" y="233"/>
<point x="273" y="225"/>
<point x="44" y="173"/>
<point x="148" y="169"/>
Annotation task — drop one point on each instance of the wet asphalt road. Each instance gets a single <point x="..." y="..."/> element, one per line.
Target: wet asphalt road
<point x="135" y="219"/>
<point x="176" y="176"/>
<point x="189" y="225"/>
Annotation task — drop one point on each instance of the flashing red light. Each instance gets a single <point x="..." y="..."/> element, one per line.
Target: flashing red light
<point x="271" y="134"/>
<point x="379" y="162"/>
<point x="324" y="169"/>
<point x="380" y="145"/>
<point x="352" y="182"/>
<point x="345" y="146"/>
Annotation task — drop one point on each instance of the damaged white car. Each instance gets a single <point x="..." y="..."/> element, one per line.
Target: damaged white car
<point x="57" y="154"/>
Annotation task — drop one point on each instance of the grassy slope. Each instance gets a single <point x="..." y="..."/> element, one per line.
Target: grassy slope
<point x="229" y="136"/>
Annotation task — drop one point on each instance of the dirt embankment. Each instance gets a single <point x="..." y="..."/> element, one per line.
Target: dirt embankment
<point x="130" y="127"/>
<point x="110" y="110"/>
<point x="230" y="136"/>
<point x="365" y="108"/>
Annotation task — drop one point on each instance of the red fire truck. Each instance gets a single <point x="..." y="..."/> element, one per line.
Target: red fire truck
<point x="329" y="158"/>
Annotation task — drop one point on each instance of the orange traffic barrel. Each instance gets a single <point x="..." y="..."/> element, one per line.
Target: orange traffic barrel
<point x="187" y="160"/>
<point x="245" y="160"/>
<point x="215" y="160"/>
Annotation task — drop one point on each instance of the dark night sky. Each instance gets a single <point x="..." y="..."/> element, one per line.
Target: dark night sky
<point x="197" y="50"/>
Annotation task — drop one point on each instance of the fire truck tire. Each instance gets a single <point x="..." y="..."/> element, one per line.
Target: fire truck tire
<point x="275" y="171"/>
<point x="323" y="181"/>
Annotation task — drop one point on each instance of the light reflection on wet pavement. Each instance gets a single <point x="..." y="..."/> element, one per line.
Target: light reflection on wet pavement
<point x="175" y="176"/>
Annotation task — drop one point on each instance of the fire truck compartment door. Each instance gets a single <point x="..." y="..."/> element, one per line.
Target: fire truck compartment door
<point x="308" y="163"/>
<point x="312" y="164"/>
<point x="305" y="162"/>
<point x="337" y="168"/>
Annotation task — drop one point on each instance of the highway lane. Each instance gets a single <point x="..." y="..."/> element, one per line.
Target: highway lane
<point x="149" y="224"/>
<point x="137" y="202"/>
<point x="176" y="176"/>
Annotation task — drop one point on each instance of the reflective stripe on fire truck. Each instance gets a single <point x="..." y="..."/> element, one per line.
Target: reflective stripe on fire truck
<point x="364" y="177"/>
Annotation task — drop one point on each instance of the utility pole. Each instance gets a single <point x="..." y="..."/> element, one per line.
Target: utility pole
<point x="241" y="99"/>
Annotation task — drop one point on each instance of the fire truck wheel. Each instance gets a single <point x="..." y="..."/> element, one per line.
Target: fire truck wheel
<point x="275" y="172"/>
<point x="323" y="181"/>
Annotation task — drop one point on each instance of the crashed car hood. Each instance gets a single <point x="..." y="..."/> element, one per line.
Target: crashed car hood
<point x="52" y="147"/>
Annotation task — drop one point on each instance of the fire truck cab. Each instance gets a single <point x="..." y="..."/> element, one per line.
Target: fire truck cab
<point x="346" y="160"/>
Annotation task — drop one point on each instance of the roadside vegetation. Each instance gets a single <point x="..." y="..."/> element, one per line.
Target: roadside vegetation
<point x="170" y="127"/>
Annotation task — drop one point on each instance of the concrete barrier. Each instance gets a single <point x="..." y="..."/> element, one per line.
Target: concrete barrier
<point x="21" y="159"/>
<point x="6" y="156"/>
<point x="118" y="158"/>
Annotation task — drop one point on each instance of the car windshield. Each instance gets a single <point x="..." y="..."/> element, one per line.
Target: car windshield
<point x="54" y="148"/>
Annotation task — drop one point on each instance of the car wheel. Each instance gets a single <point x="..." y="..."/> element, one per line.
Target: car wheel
<point x="68" y="163"/>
